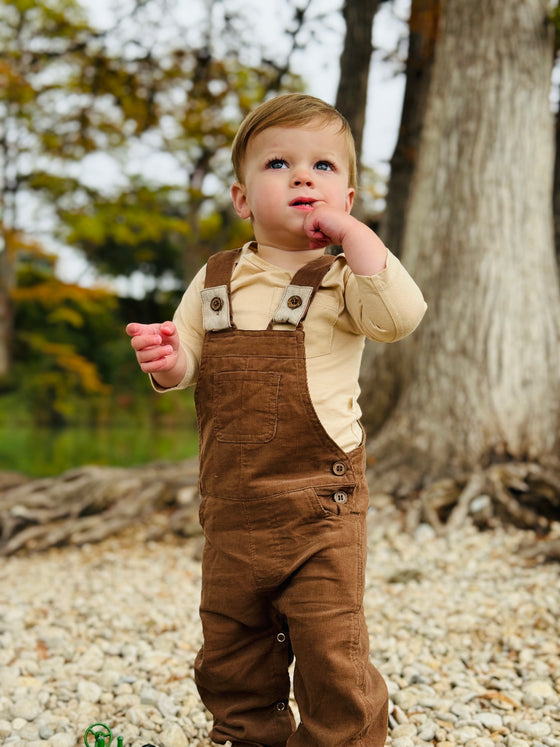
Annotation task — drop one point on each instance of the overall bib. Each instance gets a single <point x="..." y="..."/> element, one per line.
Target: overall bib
<point x="283" y="512"/>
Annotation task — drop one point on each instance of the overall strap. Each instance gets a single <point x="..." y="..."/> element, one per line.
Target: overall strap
<point x="216" y="302"/>
<point x="299" y="293"/>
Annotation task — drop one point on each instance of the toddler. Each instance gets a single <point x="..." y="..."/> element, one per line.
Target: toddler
<point x="272" y="336"/>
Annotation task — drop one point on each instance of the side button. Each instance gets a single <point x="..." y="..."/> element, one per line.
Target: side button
<point x="339" y="468"/>
<point x="340" y="496"/>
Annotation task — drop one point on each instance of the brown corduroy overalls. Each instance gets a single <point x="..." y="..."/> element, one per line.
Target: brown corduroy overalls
<point x="283" y="511"/>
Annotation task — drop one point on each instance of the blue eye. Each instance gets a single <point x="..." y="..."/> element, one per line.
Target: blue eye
<point x="324" y="166"/>
<point x="276" y="163"/>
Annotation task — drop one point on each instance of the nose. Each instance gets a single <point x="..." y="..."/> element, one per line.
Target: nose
<point x="302" y="176"/>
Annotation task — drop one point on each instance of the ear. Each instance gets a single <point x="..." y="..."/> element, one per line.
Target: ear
<point x="239" y="199"/>
<point x="350" y="199"/>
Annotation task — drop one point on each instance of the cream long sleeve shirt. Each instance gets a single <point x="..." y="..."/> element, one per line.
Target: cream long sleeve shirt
<point x="348" y="308"/>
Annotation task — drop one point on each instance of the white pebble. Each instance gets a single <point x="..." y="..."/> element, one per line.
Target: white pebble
<point x="173" y="736"/>
<point x="541" y="689"/>
<point x="399" y="715"/>
<point x="92" y="660"/>
<point x="404" y="730"/>
<point x="461" y="710"/>
<point x="490" y="720"/>
<point x="89" y="691"/>
<point x="513" y="741"/>
<point x="424" y="533"/>
<point x="27" y="709"/>
<point x="167" y="706"/>
<point x="63" y="740"/>
<point x="427" y="732"/>
<point x="466" y="733"/>
<point x="403" y="742"/>
<point x="533" y="701"/>
<point x="534" y="729"/>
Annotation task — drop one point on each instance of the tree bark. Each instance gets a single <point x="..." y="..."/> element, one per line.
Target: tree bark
<point x="355" y="60"/>
<point x="423" y="28"/>
<point x="480" y="379"/>
<point x="556" y="195"/>
<point x="381" y="383"/>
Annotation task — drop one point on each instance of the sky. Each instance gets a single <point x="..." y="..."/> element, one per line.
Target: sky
<point x="318" y="66"/>
<point x="318" y="63"/>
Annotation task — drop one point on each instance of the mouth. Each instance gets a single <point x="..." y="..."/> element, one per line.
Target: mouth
<point x="304" y="203"/>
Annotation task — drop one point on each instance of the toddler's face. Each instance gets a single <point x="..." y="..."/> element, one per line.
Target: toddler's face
<point x="287" y="173"/>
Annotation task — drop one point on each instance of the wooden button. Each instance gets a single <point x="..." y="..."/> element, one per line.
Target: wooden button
<point x="339" y="468"/>
<point x="340" y="496"/>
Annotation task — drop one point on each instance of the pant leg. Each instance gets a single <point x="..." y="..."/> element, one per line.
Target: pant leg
<point x="242" y="669"/>
<point x="306" y="554"/>
<point x="341" y="697"/>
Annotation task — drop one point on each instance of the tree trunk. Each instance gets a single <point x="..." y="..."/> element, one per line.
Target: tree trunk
<point x="556" y="195"/>
<point x="381" y="384"/>
<point x="423" y="29"/>
<point x="6" y="287"/>
<point x="480" y="378"/>
<point x="355" y="60"/>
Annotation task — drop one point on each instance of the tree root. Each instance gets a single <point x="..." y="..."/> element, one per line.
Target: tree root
<point x="92" y="503"/>
<point x="524" y="494"/>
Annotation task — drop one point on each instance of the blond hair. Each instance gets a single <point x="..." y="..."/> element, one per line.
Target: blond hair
<point x="291" y="110"/>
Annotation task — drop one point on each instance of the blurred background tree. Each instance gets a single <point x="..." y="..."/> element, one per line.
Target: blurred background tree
<point x="74" y="98"/>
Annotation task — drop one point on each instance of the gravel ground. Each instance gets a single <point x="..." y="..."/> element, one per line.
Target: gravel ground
<point x="465" y="631"/>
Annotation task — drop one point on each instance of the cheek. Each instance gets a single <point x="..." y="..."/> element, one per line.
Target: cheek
<point x="265" y="199"/>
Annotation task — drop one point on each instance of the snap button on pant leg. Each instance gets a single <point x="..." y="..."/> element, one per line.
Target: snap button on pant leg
<point x="281" y="637"/>
<point x="280" y="706"/>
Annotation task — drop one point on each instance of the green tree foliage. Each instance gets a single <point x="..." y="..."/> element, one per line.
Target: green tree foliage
<point x="61" y="97"/>
<point x="166" y="224"/>
<point x="62" y="329"/>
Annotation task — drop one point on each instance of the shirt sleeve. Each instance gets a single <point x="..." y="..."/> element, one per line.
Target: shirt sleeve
<point x="385" y="307"/>
<point x="188" y="320"/>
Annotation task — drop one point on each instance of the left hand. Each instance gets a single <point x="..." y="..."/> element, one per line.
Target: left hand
<point x="365" y="253"/>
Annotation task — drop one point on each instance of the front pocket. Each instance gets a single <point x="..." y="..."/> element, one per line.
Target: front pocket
<point x="335" y="500"/>
<point x="245" y="406"/>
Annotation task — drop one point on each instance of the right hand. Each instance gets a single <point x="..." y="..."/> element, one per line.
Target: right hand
<point x="157" y="346"/>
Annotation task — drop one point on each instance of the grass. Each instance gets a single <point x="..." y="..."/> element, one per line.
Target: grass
<point x="41" y="452"/>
